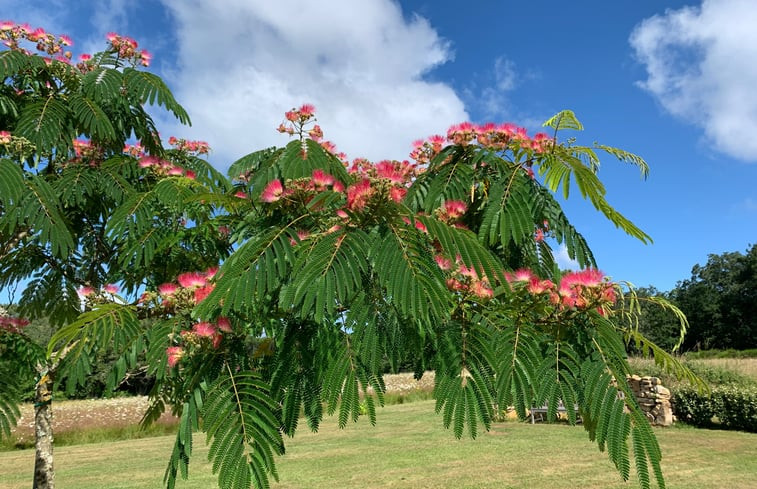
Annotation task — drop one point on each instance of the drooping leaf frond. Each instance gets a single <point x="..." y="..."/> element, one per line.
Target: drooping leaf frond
<point x="45" y="124"/>
<point x="109" y="325"/>
<point x="11" y="182"/>
<point x="242" y="430"/>
<point x="40" y="210"/>
<point x="328" y="274"/>
<point x="409" y="274"/>
<point x="464" y="382"/>
<point x="626" y="157"/>
<point x="91" y="118"/>
<point x="255" y="268"/>
<point x="149" y="88"/>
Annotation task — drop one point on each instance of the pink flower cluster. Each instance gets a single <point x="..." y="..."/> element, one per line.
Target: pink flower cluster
<point x="86" y="152"/>
<point x="5" y="137"/>
<point x="126" y="48"/>
<point x="164" y="168"/>
<point x="464" y="279"/>
<point x="86" y="291"/>
<point x="302" y="189"/>
<point x="498" y="137"/>
<point x="136" y="150"/>
<point x="11" y="34"/>
<point x="451" y="212"/>
<point x="201" y="332"/>
<point x="580" y="290"/>
<point x="191" y="289"/>
<point x="12" y="324"/>
<point x="194" y="147"/>
<point x="296" y="120"/>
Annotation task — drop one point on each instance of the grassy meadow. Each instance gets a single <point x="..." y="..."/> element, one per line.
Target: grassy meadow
<point x="408" y="448"/>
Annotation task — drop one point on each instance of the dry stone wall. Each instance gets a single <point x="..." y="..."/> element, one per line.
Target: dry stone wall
<point x="653" y="398"/>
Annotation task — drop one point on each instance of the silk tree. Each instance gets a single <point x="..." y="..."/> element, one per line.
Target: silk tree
<point x="338" y="265"/>
<point x="76" y="143"/>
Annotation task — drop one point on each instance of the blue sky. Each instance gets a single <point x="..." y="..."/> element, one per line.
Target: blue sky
<point x="672" y="81"/>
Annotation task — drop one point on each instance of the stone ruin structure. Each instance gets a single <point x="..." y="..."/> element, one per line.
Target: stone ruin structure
<point x="653" y="398"/>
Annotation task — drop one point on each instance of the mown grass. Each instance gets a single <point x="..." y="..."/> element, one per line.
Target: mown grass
<point x="408" y="448"/>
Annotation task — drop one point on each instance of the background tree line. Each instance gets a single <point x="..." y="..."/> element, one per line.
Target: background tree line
<point x="720" y="301"/>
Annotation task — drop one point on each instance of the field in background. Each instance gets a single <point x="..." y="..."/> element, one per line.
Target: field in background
<point x="408" y="448"/>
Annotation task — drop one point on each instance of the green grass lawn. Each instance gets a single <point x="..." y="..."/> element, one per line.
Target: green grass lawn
<point x="409" y="449"/>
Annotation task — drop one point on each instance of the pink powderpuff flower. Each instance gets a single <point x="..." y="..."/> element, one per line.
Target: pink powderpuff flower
<point x="204" y="329"/>
<point x="455" y="209"/>
<point x="466" y="271"/>
<point x="85" y="291"/>
<point x="397" y="193"/>
<point x="444" y="263"/>
<point x="307" y="110"/>
<point x="522" y="275"/>
<point x="190" y="174"/>
<point x="217" y="338"/>
<point x="321" y="178"/>
<point x="240" y="195"/>
<point x="148" y="161"/>
<point x="338" y="187"/>
<point x="175" y="171"/>
<point x="608" y="294"/>
<point x="66" y="41"/>
<point x="539" y="236"/>
<point x="481" y="289"/>
<point x="359" y="194"/>
<point x="211" y="272"/>
<point x="302" y="234"/>
<point x="223" y="324"/>
<point x="587" y="278"/>
<point x="174" y="354"/>
<point x="536" y="286"/>
<point x="146" y="57"/>
<point x="191" y="279"/>
<point x="202" y="292"/>
<point x="111" y="289"/>
<point x="454" y="284"/>
<point x="167" y="289"/>
<point x="272" y="192"/>
<point x="316" y="133"/>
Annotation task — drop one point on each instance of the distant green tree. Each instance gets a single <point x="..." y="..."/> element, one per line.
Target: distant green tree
<point x="720" y="300"/>
<point x="657" y="323"/>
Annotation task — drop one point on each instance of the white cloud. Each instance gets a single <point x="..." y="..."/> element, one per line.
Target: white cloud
<point x="493" y="98"/>
<point x="749" y="204"/>
<point x="701" y="67"/>
<point x="564" y="261"/>
<point x="46" y="16"/>
<point x="242" y="63"/>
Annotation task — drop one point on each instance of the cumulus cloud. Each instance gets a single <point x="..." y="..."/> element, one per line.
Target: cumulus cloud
<point x="700" y="67"/>
<point x="564" y="261"/>
<point x="242" y="63"/>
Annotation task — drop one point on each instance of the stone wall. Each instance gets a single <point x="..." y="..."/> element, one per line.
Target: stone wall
<point x="653" y="398"/>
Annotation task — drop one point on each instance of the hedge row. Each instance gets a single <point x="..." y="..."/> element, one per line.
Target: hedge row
<point x="728" y="407"/>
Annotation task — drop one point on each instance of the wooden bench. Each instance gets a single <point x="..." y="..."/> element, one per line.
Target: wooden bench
<point x="542" y="412"/>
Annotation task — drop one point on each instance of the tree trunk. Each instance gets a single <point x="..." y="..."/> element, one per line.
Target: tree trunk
<point x="44" y="473"/>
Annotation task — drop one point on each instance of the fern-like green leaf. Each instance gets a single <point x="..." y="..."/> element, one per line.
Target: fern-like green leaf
<point x="149" y="88"/>
<point x="565" y="119"/>
<point x="242" y="430"/>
